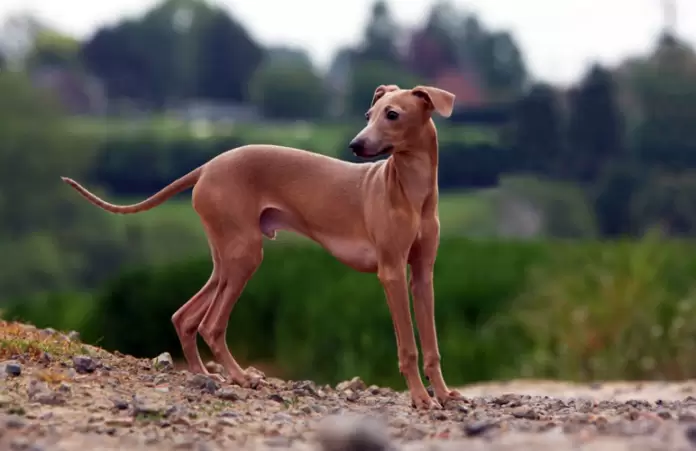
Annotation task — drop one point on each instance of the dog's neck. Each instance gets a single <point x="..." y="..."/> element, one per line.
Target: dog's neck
<point x="415" y="167"/>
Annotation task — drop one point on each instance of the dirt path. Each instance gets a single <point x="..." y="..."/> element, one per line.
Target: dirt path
<point x="59" y="395"/>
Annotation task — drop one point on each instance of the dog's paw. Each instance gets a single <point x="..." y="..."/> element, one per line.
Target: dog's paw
<point x="423" y="401"/>
<point x="449" y="395"/>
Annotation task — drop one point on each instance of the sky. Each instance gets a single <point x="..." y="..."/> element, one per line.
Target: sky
<point x="558" y="37"/>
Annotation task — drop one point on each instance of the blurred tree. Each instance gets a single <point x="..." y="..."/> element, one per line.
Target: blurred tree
<point x="433" y="48"/>
<point x="177" y="50"/>
<point x="380" y="37"/>
<point x="50" y="238"/>
<point x="119" y="57"/>
<point x="226" y="59"/>
<point x="452" y="38"/>
<point x="289" y="89"/>
<point x="286" y="54"/>
<point x="53" y="49"/>
<point x="539" y="130"/>
<point x="500" y="63"/>
<point x="665" y="92"/>
<point x="667" y="201"/>
<point x="596" y="126"/>
<point x="613" y="195"/>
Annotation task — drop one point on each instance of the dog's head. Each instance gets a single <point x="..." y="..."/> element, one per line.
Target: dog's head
<point x="396" y="114"/>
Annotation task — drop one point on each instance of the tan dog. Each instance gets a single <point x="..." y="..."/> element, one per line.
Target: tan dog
<point x="374" y="217"/>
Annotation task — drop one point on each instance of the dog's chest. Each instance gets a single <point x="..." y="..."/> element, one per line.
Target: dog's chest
<point x="358" y="254"/>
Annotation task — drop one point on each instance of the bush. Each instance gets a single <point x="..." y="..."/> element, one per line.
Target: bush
<point x="572" y="310"/>
<point x="621" y="310"/>
<point x="303" y="306"/>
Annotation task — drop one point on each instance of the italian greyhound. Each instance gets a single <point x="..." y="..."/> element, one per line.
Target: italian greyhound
<point x="379" y="217"/>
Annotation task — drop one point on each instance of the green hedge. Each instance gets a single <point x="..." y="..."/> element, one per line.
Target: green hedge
<point x="504" y="309"/>
<point x="311" y="315"/>
<point x="140" y="161"/>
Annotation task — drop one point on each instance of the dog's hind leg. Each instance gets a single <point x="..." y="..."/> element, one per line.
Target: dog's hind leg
<point x="187" y="319"/>
<point x="240" y="255"/>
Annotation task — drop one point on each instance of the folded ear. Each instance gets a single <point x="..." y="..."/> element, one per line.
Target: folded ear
<point x="436" y="98"/>
<point x="381" y="90"/>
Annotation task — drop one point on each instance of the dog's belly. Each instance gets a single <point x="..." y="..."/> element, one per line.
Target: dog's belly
<point x="358" y="254"/>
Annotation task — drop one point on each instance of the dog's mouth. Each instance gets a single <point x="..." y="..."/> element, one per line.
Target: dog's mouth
<point x="383" y="151"/>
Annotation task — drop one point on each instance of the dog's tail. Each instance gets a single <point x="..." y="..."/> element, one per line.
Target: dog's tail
<point x="187" y="181"/>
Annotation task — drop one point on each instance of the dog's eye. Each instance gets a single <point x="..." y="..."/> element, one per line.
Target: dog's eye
<point x="392" y="115"/>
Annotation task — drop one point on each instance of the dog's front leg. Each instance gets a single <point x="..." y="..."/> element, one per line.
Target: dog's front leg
<point x="392" y="275"/>
<point x="424" y="309"/>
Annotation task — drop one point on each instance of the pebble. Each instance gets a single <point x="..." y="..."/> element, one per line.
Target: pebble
<point x="13" y="369"/>
<point x="228" y="394"/>
<point x="163" y="362"/>
<point x="203" y="382"/>
<point x="352" y="433"/>
<point x="355" y="384"/>
<point x="84" y="364"/>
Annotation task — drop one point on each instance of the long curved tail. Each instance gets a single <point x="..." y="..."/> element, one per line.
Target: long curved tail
<point x="165" y="193"/>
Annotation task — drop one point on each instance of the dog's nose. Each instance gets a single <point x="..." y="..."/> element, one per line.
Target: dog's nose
<point x="357" y="146"/>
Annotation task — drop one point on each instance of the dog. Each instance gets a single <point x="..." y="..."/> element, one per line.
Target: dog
<point x="377" y="217"/>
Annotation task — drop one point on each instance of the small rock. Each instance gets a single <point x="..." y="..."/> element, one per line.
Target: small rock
<point x="318" y="408"/>
<point x="46" y="358"/>
<point x="352" y="396"/>
<point x="278" y="442"/>
<point x="277" y="398"/>
<point x="281" y="417"/>
<point x="147" y="410"/>
<point x="228" y="394"/>
<point x="15" y="422"/>
<point x="120" y="404"/>
<point x="305" y="388"/>
<point x="19" y="443"/>
<point x="84" y="364"/>
<point x="49" y="331"/>
<point x="35" y="387"/>
<point x="73" y="335"/>
<point x="203" y="382"/>
<point x="415" y="432"/>
<point x="214" y="367"/>
<point x="223" y="421"/>
<point x="50" y="398"/>
<point x="64" y="388"/>
<point x="478" y="428"/>
<point x="229" y="414"/>
<point x="439" y="416"/>
<point x="352" y="433"/>
<point x="355" y="384"/>
<point x="13" y="369"/>
<point x="664" y="414"/>
<point x="120" y="422"/>
<point x="691" y="434"/>
<point x="5" y="401"/>
<point x="163" y="362"/>
<point x="525" y="413"/>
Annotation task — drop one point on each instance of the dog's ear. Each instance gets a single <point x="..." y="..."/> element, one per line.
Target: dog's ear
<point x="381" y="90"/>
<point x="438" y="99"/>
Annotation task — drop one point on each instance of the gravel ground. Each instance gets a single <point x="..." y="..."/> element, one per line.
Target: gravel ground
<point x="57" y="394"/>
